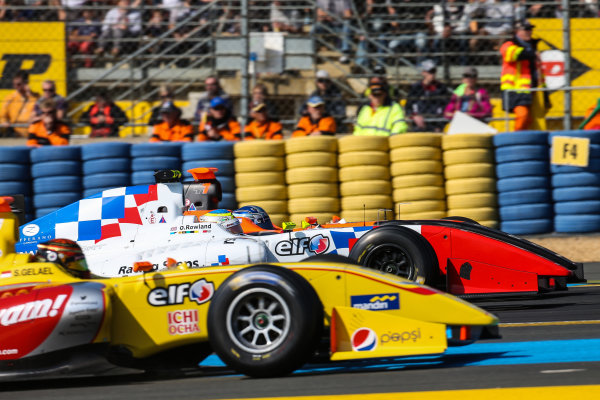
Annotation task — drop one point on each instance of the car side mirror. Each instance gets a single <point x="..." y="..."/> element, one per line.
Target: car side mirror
<point x="143" y="266"/>
<point x="288" y="226"/>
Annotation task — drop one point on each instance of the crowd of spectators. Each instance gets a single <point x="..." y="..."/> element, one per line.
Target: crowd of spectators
<point x="365" y="32"/>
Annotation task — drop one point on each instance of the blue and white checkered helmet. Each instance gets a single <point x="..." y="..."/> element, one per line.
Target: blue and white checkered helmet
<point x="255" y="214"/>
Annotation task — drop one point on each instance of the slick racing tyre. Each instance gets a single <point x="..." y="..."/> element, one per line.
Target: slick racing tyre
<point x="397" y="250"/>
<point x="464" y="156"/>
<point x="270" y="206"/>
<point x="311" y="174"/>
<point x="421" y="206"/>
<point x="14" y="154"/>
<point x="361" y="158"/>
<point x="376" y="202"/>
<point x="311" y="143"/>
<point x="303" y="190"/>
<point x="477" y="214"/>
<point x="207" y="151"/>
<point x="472" y="200"/>
<point x="314" y="204"/>
<point x="356" y="188"/>
<point x="364" y="173"/>
<point x="466" y="141"/>
<point x="367" y="215"/>
<point x="409" y="181"/>
<point x="257" y="193"/>
<point x="470" y="170"/>
<point x="164" y="149"/>
<point x="55" y="153"/>
<point x="265" y="321"/>
<point x="419" y="193"/>
<point x="55" y="168"/>
<point x="101" y="151"/>
<point x="102" y="166"/>
<point x="470" y="185"/>
<point x="414" y="153"/>
<point x="521" y="137"/>
<point x="14" y="172"/>
<point x="351" y="143"/>
<point x="416" y="167"/>
<point x="259" y="148"/>
<point x="424" y="215"/>
<point x="311" y="159"/>
<point x="249" y="179"/>
<point x="416" y="139"/>
<point x="259" y="164"/>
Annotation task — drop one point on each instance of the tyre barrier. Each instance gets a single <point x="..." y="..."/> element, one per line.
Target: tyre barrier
<point x="57" y="181"/>
<point x="417" y="176"/>
<point x="259" y="168"/>
<point x="312" y="177"/>
<point x="523" y="172"/>
<point x="105" y="166"/>
<point x="364" y="197"/>
<point x="576" y="190"/>
<point x="212" y="155"/>
<point x="470" y="183"/>
<point x="146" y="158"/>
<point x="15" y="177"/>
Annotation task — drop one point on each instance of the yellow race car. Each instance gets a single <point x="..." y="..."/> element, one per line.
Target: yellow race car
<point x="261" y="320"/>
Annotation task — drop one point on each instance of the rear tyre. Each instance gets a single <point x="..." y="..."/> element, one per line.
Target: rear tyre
<point x="265" y="321"/>
<point x="399" y="251"/>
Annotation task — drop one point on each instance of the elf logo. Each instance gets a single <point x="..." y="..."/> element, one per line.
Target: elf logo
<point x="200" y="291"/>
<point x="297" y="246"/>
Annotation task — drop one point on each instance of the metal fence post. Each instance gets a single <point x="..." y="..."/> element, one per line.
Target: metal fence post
<point x="567" y="51"/>
<point x="245" y="59"/>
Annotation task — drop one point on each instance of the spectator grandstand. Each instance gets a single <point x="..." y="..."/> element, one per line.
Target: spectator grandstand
<point x="130" y="48"/>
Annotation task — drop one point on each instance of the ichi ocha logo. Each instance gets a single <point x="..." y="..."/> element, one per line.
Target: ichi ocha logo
<point x="364" y="339"/>
<point x="297" y="246"/>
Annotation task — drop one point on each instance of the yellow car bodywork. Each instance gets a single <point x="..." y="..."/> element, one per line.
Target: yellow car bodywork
<point x="154" y="312"/>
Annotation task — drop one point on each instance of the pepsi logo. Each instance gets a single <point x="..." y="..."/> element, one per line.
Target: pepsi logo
<point x="201" y="291"/>
<point x="364" y="339"/>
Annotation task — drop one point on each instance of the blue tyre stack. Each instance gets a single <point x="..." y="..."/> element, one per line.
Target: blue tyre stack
<point x="105" y="166"/>
<point x="15" y="177"/>
<point x="146" y="158"/>
<point x="523" y="172"/>
<point x="56" y="173"/>
<point x="576" y="190"/>
<point x="217" y="155"/>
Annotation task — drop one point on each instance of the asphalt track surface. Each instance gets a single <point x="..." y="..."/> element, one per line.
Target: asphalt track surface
<point x="550" y="347"/>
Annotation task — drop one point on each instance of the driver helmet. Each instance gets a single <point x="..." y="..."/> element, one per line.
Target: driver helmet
<point x="255" y="214"/>
<point x="223" y="218"/>
<point x="65" y="252"/>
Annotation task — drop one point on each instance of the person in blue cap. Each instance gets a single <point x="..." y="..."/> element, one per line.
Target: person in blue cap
<point x="317" y="121"/>
<point x="219" y="123"/>
<point x="213" y="89"/>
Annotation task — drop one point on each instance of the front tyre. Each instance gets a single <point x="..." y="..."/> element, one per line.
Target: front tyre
<point x="265" y="321"/>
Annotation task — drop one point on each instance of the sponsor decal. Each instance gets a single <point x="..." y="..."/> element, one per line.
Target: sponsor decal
<point x="376" y="302"/>
<point x="5" y="274"/>
<point x="125" y="270"/>
<point x="317" y="244"/>
<point x="34" y="271"/>
<point x="31" y="230"/>
<point x="31" y="310"/>
<point x="183" y="322"/>
<point x="192" y="207"/>
<point x="152" y="219"/>
<point x="162" y="220"/>
<point x="222" y="260"/>
<point x="187" y="202"/>
<point x="400" y="336"/>
<point x="5" y="352"/>
<point x="192" y="229"/>
<point x="200" y="292"/>
<point x="364" y="339"/>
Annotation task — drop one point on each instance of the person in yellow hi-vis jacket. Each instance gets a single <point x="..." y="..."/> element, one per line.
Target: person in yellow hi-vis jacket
<point x="382" y="116"/>
<point x="521" y="71"/>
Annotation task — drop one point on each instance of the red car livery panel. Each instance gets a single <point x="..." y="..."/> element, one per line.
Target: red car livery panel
<point x="34" y="322"/>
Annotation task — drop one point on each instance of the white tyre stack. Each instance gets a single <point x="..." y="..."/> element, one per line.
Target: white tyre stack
<point x="417" y="180"/>
<point x="470" y="177"/>
<point x="365" y="187"/>
<point x="312" y="178"/>
<point x="260" y="177"/>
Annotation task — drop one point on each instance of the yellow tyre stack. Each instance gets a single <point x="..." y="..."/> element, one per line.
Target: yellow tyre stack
<point x="312" y="178"/>
<point x="260" y="177"/>
<point x="470" y="177"/>
<point x="365" y="186"/>
<point x="417" y="180"/>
